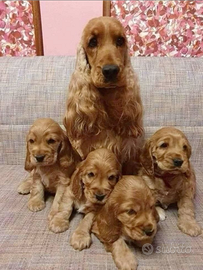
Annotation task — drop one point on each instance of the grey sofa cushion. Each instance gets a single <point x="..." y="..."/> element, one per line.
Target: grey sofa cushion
<point x="27" y="244"/>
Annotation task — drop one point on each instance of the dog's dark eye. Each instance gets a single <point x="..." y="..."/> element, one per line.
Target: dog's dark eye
<point x="91" y="174"/>
<point x="112" y="177"/>
<point x="92" y="43"/>
<point x="164" y="145"/>
<point x="120" y="41"/>
<point x="31" y="141"/>
<point x="51" y="141"/>
<point x="185" y="147"/>
<point x="131" y="212"/>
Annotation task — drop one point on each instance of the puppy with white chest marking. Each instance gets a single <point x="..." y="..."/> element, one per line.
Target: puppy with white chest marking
<point x="91" y="185"/>
<point x="169" y="174"/>
<point x="51" y="161"/>
<point x="129" y="215"/>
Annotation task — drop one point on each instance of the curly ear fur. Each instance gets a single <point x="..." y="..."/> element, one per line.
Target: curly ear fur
<point x="28" y="165"/>
<point x="67" y="156"/>
<point x="147" y="159"/>
<point x="133" y="109"/>
<point x="85" y="114"/>
<point x="189" y="149"/>
<point x="76" y="182"/>
<point x="107" y="226"/>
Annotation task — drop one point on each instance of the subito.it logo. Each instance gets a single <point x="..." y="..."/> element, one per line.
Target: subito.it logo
<point x="147" y="249"/>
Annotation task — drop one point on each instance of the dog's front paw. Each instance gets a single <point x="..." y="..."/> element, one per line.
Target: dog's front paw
<point x="126" y="261"/>
<point x="58" y="224"/>
<point x="36" y="205"/>
<point x="51" y="215"/>
<point x="191" y="228"/>
<point x="80" y="240"/>
<point x="24" y="188"/>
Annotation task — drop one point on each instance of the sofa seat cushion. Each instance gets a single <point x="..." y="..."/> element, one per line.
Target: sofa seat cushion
<point x="26" y="242"/>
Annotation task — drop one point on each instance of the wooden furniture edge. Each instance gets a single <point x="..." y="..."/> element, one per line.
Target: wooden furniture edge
<point x="37" y="27"/>
<point x="107" y="8"/>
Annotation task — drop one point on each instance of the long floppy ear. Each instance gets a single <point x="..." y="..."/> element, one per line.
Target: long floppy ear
<point x="81" y="61"/>
<point x="108" y="227"/>
<point x="189" y="149"/>
<point x="133" y="113"/>
<point x="85" y="114"/>
<point x="76" y="181"/>
<point x="28" y="165"/>
<point x="146" y="158"/>
<point x="67" y="156"/>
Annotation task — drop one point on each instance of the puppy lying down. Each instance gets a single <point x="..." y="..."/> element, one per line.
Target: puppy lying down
<point x="168" y="173"/>
<point x="51" y="161"/>
<point x="129" y="215"/>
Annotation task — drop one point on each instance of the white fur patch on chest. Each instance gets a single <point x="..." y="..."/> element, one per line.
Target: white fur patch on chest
<point x="80" y="206"/>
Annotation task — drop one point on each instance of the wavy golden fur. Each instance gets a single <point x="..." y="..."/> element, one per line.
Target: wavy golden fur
<point x="128" y="215"/>
<point x="51" y="161"/>
<point x="169" y="174"/>
<point x="91" y="184"/>
<point x="104" y="107"/>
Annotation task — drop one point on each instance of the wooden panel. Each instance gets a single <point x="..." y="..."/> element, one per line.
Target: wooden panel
<point x="107" y="8"/>
<point x="37" y="27"/>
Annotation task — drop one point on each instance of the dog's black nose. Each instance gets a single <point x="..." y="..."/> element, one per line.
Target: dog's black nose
<point x="100" y="197"/>
<point x="110" y="72"/>
<point x="148" y="230"/>
<point x="177" y="162"/>
<point x="39" y="158"/>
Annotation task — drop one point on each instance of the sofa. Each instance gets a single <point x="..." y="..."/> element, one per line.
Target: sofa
<point x="172" y="94"/>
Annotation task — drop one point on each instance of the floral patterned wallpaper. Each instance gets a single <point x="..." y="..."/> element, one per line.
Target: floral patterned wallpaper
<point x="16" y="29"/>
<point x="162" y="28"/>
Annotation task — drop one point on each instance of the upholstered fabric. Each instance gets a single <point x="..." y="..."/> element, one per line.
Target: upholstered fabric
<point x="172" y="94"/>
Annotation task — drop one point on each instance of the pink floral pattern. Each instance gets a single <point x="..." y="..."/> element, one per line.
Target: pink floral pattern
<point x="162" y="28"/>
<point x="16" y="29"/>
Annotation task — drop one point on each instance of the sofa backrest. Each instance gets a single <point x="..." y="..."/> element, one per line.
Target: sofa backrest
<point x="171" y="90"/>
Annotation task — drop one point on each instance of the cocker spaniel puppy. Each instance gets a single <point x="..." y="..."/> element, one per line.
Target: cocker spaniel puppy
<point x="104" y="108"/>
<point x="91" y="185"/>
<point x="51" y="161"/>
<point x="128" y="215"/>
<point x="169" y="174"/>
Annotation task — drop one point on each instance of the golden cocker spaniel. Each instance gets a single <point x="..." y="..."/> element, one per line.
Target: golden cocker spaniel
<point x="168" y="173"/>
<point x="128" y="215"/>
<point x="104" y="108"/>
<point x="91" y="185"/>
<point x="51" y="161"/>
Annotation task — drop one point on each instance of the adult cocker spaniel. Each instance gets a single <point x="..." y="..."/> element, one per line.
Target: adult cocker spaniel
<point x="129" y="215"/>
<point x="104" y="108"/>
<point x="91" y="185"/>
<point x="51" y="161"/>
<point x="168" y="173"/>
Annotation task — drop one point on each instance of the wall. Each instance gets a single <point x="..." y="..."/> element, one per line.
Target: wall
<point x="16" y="29"/>
<point x="162" y="28"/>
<point x="63" y="22"/>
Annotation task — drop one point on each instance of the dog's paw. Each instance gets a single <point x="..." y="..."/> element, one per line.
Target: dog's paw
<point x="161" y="213"/>
<point x="190" y="228"/>
<point x="24" y="188"/>
<point x="58" y="224"/>
<point x="36" y="205"/>
<point x="80" y="240"/>
<point x="126" y="261"/>
<point x="51" y="215"/>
